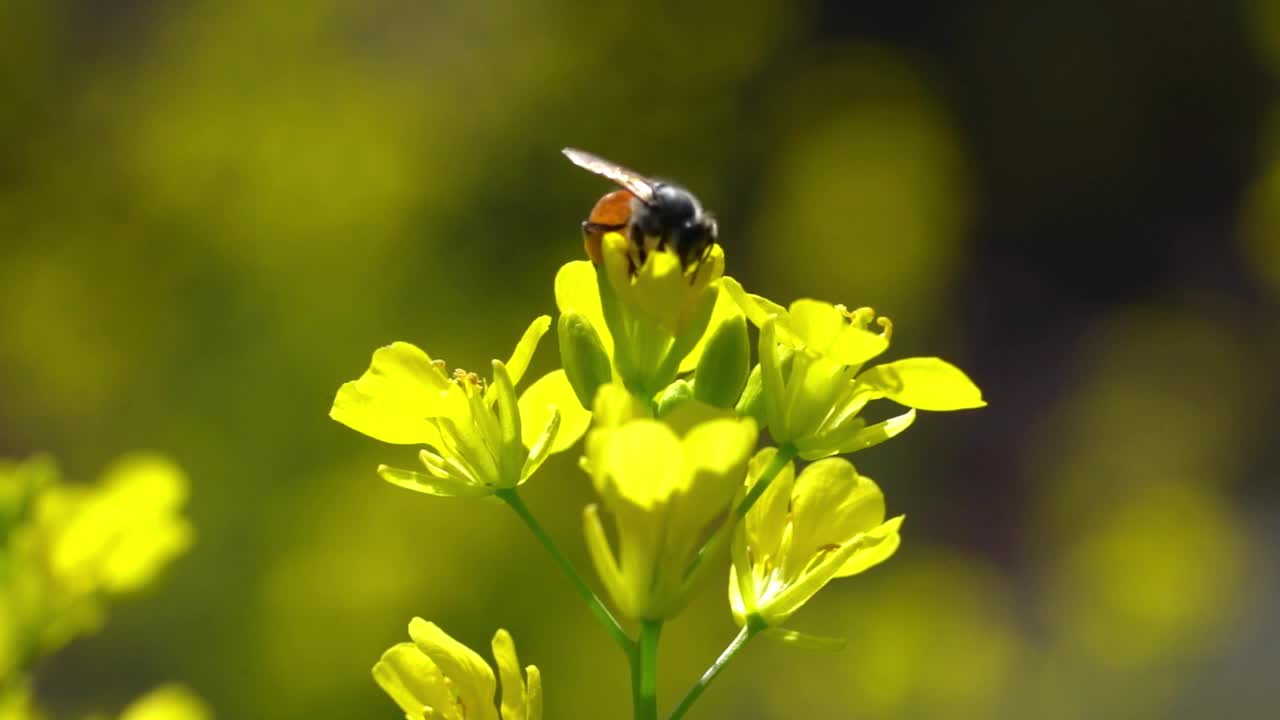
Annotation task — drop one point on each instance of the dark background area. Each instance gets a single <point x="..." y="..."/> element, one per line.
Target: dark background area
<point x="212" y="212"/>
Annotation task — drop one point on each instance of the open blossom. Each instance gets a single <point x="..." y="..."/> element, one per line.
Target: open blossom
<point x="828" y="522"/>
<point x="665" y="483"/>
<point x="482" y="437"/>
<point x="812" y="384"/>
<point x="438" y="678"/>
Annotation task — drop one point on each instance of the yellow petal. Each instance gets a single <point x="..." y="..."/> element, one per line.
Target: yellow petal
<point x="925" y="384"/>
<point x="815" y="323"/>
<point x="767" y="519"/>
<point x="395" y="399"/>
<point x="533" y="692"/>
<point x="757" y="309"/>
<point x="576" y="290"/>
<point x="513" y="690"/>
<point x="469" y="675"/>
<point x="831" y="504"/>
<point x="412" y="680"/>
<point x="550" y="393"/>
<point x="520" y="357"/>
<point x="880" y="544"/>
<point x="641" y="464"/>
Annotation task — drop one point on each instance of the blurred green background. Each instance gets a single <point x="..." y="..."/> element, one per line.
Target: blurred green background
<point x="212" y="211"/>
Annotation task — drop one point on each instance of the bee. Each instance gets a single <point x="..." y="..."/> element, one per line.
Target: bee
<point x="652" y="214"/>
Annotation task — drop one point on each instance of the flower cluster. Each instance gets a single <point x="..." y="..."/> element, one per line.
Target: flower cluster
<point x="66" y="549"/>
<point x="657" y="372"/>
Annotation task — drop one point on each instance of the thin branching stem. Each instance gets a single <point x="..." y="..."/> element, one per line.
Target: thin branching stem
<point x="606" y="618"/>
<point x="750" y="630"/>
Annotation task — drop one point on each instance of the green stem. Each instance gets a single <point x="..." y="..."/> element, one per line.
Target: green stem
<point x="510" y="497"/>
<point x="645" y="671"/>
<point x="748" y="631"/>
<point x="780" y="460"/>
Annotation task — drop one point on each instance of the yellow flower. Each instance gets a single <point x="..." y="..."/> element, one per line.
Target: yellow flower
<point x="438" y="678"/>
<point x="117" y="535"/>
<point x="651" y="320"/>
<point x="810" y="385"/>
<point x="803" y="532"/>
<point x="482" y="438"/>
<point x="661" y="288"/>
<point x="665" y="482"/>
<point x="66" y="547"/>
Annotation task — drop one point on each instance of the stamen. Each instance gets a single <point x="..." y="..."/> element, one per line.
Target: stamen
<point x="861" y="317"/>
<point x="886" y="326"/>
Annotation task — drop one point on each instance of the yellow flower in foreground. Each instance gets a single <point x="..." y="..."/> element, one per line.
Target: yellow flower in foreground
<point x="665" y="482"/>
<point x="804" y="531"/>
<point x="482" y="438"/>
<point x="438" y="678"/>
<point x="812" y="386"/>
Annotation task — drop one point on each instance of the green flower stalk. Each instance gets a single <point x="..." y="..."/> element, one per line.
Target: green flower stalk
<point x="650" y="317"/>
<point x="812" y="384"/>
<point x="665" y="483"/>
<point x="482" y="437"/>
<point x="438" y="678"/>
<point x="828" y="522"/>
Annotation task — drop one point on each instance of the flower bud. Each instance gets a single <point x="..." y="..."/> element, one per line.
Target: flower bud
<point x="676" y="394"/>
<point x="585" y="360"/>
<point x="724" y="366"/>
<point x="751" y="402"/>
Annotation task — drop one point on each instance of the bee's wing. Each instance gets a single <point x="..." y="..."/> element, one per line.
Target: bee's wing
<point x="634" y="182"/>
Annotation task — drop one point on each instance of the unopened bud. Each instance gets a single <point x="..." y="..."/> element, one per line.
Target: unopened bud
<point x="725" y="363"/>
<point x="585" y="361"/>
